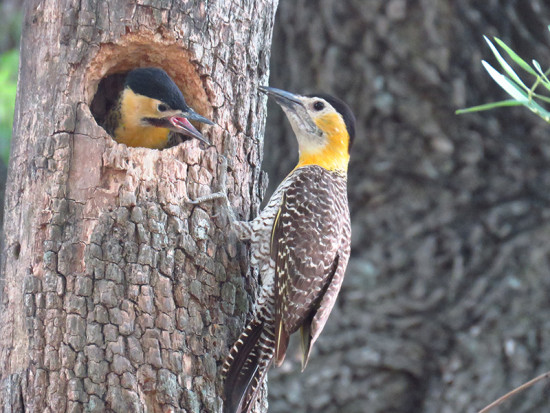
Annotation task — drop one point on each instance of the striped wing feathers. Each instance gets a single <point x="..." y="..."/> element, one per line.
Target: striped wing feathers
<point x="305" y="244"/>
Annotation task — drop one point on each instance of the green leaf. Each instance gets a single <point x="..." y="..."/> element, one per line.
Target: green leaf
<point x="541" y="72"/>
<point x="538" y="109"/>
<point x="538" y="68"/>
<point x="505" y="83"/>
<point x="541" y="77"/>
<point x="488" y="106"/>
<point x="507" y="68"/>
<point x="541" y="97"/>
<point x="516" y="93"/>
<point x="512" y="83"/>
<point x="514" y="56"/>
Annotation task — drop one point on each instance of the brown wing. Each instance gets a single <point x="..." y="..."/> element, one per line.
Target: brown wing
<point x="305" y="244"/>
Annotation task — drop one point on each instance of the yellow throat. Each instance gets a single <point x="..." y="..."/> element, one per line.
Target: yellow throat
<point x="334" y="155"/>
<point x="130" y="130"/>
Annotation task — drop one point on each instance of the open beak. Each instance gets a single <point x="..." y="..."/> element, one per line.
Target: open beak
<point x="282" y="97"/>
<point x="180" y="124"/>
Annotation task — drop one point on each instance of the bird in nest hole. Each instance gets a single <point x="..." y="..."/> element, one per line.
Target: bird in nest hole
<point x="151" y="112"/>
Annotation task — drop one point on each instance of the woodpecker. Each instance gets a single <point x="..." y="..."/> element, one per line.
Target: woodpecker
<point x="300" y="243"/>
<point x="151" y="112"/>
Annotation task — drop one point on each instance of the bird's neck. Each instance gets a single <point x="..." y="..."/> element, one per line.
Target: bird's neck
<point x="326" y="159"/>
<point x="131" y="131"/>
<point x="334" y="155"/>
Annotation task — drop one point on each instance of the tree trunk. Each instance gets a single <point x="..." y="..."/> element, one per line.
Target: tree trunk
<point x="117" y="295"/>
<point x="445" y="303"/>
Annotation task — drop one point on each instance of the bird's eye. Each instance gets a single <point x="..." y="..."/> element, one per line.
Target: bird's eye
<point x="318" y="105"/>
<point x="162" y="107"/>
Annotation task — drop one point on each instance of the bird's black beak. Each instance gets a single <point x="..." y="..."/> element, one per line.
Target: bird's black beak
<point x="192" y="115"/>
<point x="180" y="124"/>
<point x="294" y="108"/>
<point x="282" y="97"/>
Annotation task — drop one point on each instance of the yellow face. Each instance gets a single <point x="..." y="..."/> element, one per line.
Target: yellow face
<point x="132" y="130"/>
<point x="323" y="139"/>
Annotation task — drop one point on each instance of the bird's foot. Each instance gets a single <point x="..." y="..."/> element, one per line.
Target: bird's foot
<point x="220" y="194"/>
<point x="208" y="198"/>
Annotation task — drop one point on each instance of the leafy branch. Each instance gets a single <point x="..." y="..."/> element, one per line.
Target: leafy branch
<point x="509" y="80"/>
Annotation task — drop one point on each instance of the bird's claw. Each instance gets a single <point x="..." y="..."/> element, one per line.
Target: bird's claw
<point x="207" y="198"/>
<point x="221" y="194"/>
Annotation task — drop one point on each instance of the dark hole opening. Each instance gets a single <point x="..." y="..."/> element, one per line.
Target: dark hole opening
<point x="16" y="250"/>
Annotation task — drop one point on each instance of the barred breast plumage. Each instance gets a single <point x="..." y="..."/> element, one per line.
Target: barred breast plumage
<point x="300" y="243"/>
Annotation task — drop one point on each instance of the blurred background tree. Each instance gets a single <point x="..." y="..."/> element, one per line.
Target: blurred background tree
<point x="445" y="305"/>
<point x="10" y="32"/>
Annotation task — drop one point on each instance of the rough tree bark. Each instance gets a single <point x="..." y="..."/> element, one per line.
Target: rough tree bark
<point x="116" y="295"/>
<point x="445" y="303"/>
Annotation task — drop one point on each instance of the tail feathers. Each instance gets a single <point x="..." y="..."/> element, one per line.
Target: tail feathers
<point x="305" y="335"/>
<point x="310" y="328"/>
<point x="246" y="367"/>
<point x="281" y="344"/>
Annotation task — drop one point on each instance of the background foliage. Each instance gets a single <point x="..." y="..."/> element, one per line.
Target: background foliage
<point x="523" y="93"/>
<point x="9" y="62"/>
<point x="10" y="33"/>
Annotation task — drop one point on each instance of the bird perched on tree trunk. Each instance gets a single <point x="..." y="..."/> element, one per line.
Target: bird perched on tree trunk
<point x="300" y="242"/>
<point x="151" y="112"/>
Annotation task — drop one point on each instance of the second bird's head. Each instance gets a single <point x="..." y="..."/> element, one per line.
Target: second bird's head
<point x="324" y="127"/>
<point x="151" y="99"/>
